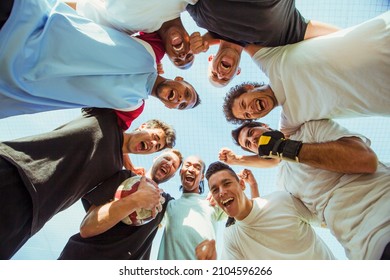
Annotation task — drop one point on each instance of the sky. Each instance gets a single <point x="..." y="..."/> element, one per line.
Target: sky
<point x="202" y="131"/>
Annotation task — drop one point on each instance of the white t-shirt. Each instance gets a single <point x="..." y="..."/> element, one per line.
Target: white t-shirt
<point x="132" y="16"/>
<point x="342" y="74"/>
<point x="355" y="207"/>
<point x="277" y="228"/>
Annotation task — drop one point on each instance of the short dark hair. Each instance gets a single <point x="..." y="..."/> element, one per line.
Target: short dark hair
<point x="236" y="132"/>
<point x="198" y="100"/>
<point x="234" y="93"/>
<point x="219" y="166"/>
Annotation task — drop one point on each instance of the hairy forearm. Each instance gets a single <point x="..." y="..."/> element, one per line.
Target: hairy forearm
<point x="347" y="155"/>
<point x="101" y="218"/>
<point x="255" y="161"/>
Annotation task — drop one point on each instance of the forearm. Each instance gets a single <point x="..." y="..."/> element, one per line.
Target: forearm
<point x="346" y="155"/>
<point x="316" y="28"/>
<point x="210" y="39"/>
<point x="255" y="161"/>
<point x="254" y="190"/>
<point x="102" y="218"/>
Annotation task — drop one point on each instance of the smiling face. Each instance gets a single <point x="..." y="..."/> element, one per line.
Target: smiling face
<point x="177" y="46"/>
<point x="223" y="67"/>
<point x="164" y="167"/>
<point x="228" y="192"/>
<point x="254" y="103"/>
<point x="176" y="94"/>
<point x="145" y="141"/>
<point x="191" y="174"/>
<point x="249" y="137"/>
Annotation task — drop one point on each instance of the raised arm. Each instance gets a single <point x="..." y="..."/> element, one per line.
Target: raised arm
<point x="346" y="155"/>
<point x="201" y="43"/>
<point x="229" y="157"/>
<point x="249" y="179"/>
<point x="101" y="218"/>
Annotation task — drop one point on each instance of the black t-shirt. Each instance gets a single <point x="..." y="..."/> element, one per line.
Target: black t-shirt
<point x="269" y="23"/>
<point x="121" y="242"/>
<point x="61" y="166"/>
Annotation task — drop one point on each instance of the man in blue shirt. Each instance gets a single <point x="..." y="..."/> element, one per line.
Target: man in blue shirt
<point x="57" y="59"/>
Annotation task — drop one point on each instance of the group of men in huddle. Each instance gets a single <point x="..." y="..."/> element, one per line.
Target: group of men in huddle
<point x="105" y="56"/>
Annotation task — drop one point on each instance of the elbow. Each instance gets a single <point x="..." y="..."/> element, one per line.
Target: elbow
<point x="371" y="164"/>
<point x="368" y="164"/>
<point x="85" y="233"/>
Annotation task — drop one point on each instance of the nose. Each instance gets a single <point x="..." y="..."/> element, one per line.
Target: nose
<point x="220" y="75"/>
<point x="182" y="55"/>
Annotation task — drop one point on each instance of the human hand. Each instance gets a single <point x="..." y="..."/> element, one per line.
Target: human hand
<point x="211" y="199"/>
<point x="206" y="250"/>
<point x="273" y="144"/>
<point x="160" y="68"/>
<point x="247" y="176"/>
<point x="148" y="196"/>
<point x="228" y="156"/>
<point x="198" y="44"/>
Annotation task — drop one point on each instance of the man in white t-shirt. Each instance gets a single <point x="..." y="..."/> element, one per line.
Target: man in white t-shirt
<point x="275" y="226"/>
<point x="343" y="74"/>
<point x="335" y="174"/>
<point x="132" y="16"/>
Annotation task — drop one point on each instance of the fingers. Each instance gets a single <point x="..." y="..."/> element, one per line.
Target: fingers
<point x="197" y="44"/>
<point x="206" y="250"/>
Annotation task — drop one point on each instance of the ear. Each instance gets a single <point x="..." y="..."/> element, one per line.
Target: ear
<point x="142" y="126"/>
<point x="179" y="79"/>
<point x="211" y="57"/>
<point x="238" y="70"/>
<point x="242" y="184"/>
<point x="249" y="87"/>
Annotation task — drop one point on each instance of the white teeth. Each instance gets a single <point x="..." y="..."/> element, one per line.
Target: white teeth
<point x="226" y="201"/>
<point x="225" y="65"/>
<point x="178" y="48"/>
<point x="163" y="170"/>
<point x="258" y="105"/>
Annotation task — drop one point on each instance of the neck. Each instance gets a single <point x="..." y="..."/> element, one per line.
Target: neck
<point x="248" y="204"/>
<point x="225" y="44"/>
<point x="158" y="81"/>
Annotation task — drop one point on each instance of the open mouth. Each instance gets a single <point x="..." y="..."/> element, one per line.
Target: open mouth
<point x="144" y="146"/>
<point x="189" y="179"/>
<point x="177" y="44"/>
<point x="164" y="170"/>
<point x="227" y="202"/>
<point x="260" y="105"/>
<point x="171" y="95"/>
<point x="225" y="65"/>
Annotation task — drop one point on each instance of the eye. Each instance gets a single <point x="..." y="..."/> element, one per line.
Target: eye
<point x="182" y="106"/>
<point x="247" y="116"/>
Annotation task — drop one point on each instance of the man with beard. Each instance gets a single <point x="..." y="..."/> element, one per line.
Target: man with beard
<point x="58" y="59"/>
<point x="189" y="219"/>
<point x="103" y="235"/>
<point x="152" y="17"/>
